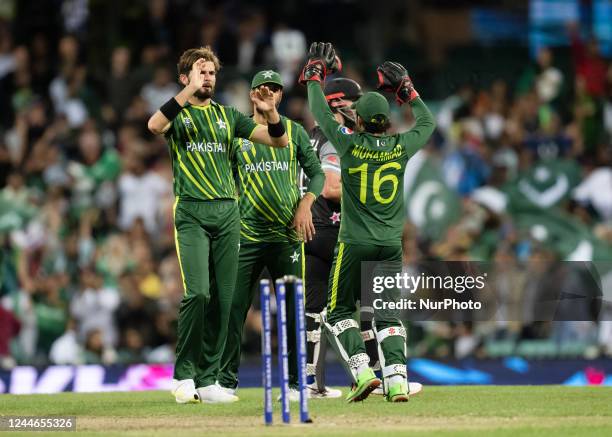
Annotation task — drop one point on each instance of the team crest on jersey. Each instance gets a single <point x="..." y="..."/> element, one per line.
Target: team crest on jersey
<point x="245" y="145"/>
<point x="345" y="130"/>
<point x="221" y="124"/>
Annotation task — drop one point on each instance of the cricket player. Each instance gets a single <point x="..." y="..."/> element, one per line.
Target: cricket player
<point x="274" y="223"/>
<point x="372" y="168"/>
<point x="200" y="133"/>
<point x="340" y="94"/>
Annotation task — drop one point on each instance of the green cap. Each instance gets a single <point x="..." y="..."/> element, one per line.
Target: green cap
<point x="370" y="105"/>
<point x="266" y="76"/>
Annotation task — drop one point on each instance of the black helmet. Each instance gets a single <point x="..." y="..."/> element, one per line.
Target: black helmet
<point x="342" y="88"/>
<point x="339" y="89"/>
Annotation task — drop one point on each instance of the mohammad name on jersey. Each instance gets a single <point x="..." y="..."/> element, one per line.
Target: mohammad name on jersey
<point x="372" y="172"/>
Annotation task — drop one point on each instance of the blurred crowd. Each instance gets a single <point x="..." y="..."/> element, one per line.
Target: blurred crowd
<point x="88" y="271"/>
<point x="527" y="168"/>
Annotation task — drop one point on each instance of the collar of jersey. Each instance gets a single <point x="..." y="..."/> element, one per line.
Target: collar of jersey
<point x="212" y="103"/>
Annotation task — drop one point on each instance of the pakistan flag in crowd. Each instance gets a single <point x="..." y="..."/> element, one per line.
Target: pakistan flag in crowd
<point x="544" y="185"/>
<point x="430" y="204"/>
<point x="534" y="198"/>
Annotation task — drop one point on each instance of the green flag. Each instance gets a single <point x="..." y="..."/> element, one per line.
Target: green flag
<point x="544" y="185"/>
<point x="562" y="233"/>
<point x="430" y="204"/>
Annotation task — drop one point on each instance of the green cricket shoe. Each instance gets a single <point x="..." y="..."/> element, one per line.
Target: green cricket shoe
<point x="398" y="392"/>
<point x="366" y="383"/>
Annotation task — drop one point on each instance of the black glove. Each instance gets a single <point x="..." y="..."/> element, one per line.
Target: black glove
<point x="393" y="77"/>
<point x="322" y="60"/>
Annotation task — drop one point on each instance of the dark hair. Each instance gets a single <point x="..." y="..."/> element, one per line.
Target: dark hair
<point x="189" y="57"/>
<point x="378" y="124"/>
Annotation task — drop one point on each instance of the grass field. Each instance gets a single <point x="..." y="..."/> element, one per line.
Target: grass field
<point x="510" y="411"/>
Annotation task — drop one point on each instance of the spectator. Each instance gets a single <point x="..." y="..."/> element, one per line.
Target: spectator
<point x="9" y="326"/>
<point x="289" y="49"/>
<point x="160" y="89"/>
<point x="140" y="194"/>
<point x="51" y="312"/>
<point x="132" y="350"/>
<point x="253" y="45"/>
<point x="589" y="66"/>
<point x="543" y="77"/>
<point x="119" y="84"/>
<point x="67" y="349"/>
<point x="96" y="351"/>
<point x="94" y="308"/>
<point x="589" y="192"/>
<point x="94" y="172"/>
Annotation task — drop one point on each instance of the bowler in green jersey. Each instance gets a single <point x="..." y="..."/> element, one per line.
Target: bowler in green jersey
<point x="200" y="133"/>
<point x="275" y="220"/>
<point x="372" y="169"/>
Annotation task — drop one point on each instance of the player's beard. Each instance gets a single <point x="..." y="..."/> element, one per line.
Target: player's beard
<point x="205" y="93"/>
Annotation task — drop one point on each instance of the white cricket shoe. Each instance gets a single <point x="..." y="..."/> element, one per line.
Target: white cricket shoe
<point x="230" y="391"/>
<point x="294" y="395"/>
<point x="327" y="393"/>
<point x="414" y="389"/>
<point x="215" y="394"/>
<point x="184" y="391"/>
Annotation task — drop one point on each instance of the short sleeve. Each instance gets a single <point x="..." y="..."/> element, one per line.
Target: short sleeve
<point x="243" y="125"/>
<point x="330" y="161"/>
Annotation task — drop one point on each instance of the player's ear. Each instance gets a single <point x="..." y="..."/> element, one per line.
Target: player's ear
<point x="184" y="79"/>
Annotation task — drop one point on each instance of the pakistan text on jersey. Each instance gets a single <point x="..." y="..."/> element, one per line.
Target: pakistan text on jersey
<point x="205" y="147"/>
<point x="267" y="166"/>
<point x="361" y="152"/>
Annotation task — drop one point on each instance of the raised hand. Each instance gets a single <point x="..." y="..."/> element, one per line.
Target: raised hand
<point x="196" y="77"/>
<point x="393" y="77"/>
<point x="263" y="98"/>
<point x="322" y="60"/>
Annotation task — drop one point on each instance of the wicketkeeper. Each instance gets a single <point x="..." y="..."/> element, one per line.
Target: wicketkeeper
<point x="372" y="170"/>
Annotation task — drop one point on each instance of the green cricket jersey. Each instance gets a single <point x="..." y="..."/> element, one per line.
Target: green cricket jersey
<point x="372" y="172"/>
<point x="199" y="139"/>
<point x="269" y="191"/>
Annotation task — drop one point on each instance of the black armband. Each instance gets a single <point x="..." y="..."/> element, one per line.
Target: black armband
<point x="171" y="109"/>
<point x="276" y="130"/>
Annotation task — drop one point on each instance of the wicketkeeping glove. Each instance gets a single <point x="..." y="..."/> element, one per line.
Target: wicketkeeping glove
<point x="322" y="60"/>
<point x="393" y="77"/>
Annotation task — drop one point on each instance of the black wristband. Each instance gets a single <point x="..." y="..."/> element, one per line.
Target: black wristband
<point x="171" y="109"/>
<point x="276" y="130"/>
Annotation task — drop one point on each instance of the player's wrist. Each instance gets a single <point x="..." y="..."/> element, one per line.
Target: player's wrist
<point x="171" y="109"/>
<point x="406" y="92"/>
<point x="272" y="116"/>
<point x="312" y="196"/>
<point x="276" y="130"/>
<point x="308" y="200"/>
